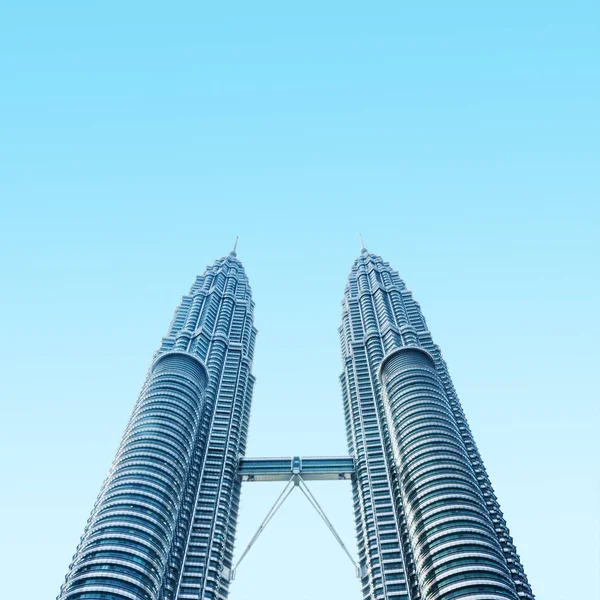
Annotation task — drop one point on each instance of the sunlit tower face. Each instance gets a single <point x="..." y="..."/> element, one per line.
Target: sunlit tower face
<point x="428" y="523"/>
<point x="164" y="523"/>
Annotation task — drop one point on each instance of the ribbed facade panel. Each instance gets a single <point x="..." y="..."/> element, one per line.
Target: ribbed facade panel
<point x="428" y="523"/>
<point x="413" y="448"/>
<point x="164" y="523"/>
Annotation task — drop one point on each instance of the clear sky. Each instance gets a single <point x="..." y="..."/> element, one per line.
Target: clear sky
<point x="137" y="139"/>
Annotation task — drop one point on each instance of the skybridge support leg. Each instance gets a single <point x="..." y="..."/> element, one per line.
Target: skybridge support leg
<point x="295" y="481"/>
<point x="287" y="490"/>
<point x="313" y="502"/>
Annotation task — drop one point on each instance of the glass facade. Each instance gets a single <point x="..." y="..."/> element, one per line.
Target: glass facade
<point x="164" y="522"/>
<point x="428" y="523"/>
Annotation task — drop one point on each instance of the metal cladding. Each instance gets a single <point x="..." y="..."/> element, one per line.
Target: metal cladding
<point x="452" y="535"/>
<point x="163" y="525"/>
<point x="428" y="523"/>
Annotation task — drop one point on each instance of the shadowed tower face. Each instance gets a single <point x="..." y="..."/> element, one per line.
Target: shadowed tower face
<point x="164" y="523"/>
<point x="428" y="523"/>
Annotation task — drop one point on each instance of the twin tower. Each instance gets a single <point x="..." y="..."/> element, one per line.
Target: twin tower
<point x="428" y="524"/>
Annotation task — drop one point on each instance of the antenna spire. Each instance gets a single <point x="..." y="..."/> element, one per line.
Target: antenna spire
<point x="361" y="241"/>
<point x="235" y="245"/>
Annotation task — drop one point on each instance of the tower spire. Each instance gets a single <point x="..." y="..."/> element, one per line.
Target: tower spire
<point x="362" y="244"/>
<point x="235" y="244"/>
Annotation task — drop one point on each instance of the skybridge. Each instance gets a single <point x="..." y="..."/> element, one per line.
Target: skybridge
<point x="312" y="468"/>
<point x="296" y="470"/>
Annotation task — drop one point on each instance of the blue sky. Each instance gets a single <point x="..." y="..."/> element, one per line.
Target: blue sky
<point x="460" y="138"/>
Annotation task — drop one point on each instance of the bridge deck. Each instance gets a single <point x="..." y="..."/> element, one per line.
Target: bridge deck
<point x="311" y="468"/>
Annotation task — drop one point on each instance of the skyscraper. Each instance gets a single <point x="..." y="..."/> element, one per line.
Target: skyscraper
<point x="164" y="522"/>
<point x="428" y="523"/>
